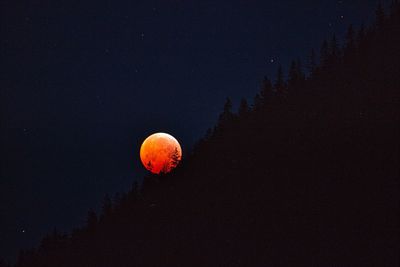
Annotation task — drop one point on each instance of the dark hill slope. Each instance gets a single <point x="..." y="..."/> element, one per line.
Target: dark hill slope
<point x="308" y="177"/>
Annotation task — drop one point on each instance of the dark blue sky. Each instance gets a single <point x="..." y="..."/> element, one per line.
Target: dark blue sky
<point x="82" y="84"/>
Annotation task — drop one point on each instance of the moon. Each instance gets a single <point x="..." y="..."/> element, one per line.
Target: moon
<point x="160" y="153"/>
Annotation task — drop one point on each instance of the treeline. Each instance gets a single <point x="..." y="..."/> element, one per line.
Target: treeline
<point x="352" y="78"/>
<point x="306" y="174"/>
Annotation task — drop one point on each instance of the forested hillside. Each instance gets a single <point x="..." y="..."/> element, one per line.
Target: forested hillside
<point x="306" y="175"/>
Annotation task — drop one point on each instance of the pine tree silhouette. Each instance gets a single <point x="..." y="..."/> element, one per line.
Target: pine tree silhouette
<point x="91" y="222"/>
<point x="350" y="42"/>
<point x="227" y="117"/>
<point x="334" y="51"/>
<point x="107" y="207"/>
<point x="361" y="35"/>
<point x="175" y="158"/>
<point x="312" y="64"/>
<point x="149" y="166"/>
<point x="258" y="102"/>
<point x="280" y="85"/>
<point x="165" y="168"/>
<point x="243" y="108"/>
<point x="294" y="75"/>
<point x="266" y="92"/>
<point x="380" y="16"/>
<point x="324" y="57"/>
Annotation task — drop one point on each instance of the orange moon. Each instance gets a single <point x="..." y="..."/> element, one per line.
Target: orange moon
<point x="160" y="153"/>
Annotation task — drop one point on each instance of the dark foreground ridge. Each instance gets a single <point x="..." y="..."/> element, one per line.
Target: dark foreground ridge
<point x="306" y="176"/>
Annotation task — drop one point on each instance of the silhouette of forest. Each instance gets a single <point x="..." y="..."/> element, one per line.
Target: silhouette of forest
<point x="305" y="175"/>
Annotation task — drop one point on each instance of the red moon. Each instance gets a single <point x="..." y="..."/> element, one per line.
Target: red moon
<point x="160" y="153"/>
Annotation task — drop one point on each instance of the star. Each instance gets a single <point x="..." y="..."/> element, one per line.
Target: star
<point x="99" y="100"/>
<point x="25" y="131"/>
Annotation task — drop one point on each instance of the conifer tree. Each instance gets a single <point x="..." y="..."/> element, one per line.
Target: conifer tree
<point x="293" y="75"/>
<point x="361" y="34"/>
<point x="209" y="133"/>
<point x="350" y="43"/>
<point x="133" y="194"/>
<point x="266" y="90"/>
<point x="312" y="64"/>
<point x="257" y="105"/>
<point x="324" y="57"/>
<point x="175" y="158"/>
<point x="380" y="16"/>
<point x="334" y="51"/>
<point x="165" y="168"/>
<point x="149" y="166"/>
<point x="91" y="221"/>
<point x="300" y="71"/>
<point x="243" y="108"/>
<point x="106" y="207"/>
<point x="280" y="86"/>
<point x="226" y="117"/>
<point x="395" y="10"/>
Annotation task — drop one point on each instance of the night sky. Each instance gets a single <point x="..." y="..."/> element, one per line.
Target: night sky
<point x="82" y="84"/>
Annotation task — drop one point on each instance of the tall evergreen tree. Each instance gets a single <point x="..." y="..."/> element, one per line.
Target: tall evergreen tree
<point x="175" y="158"/>
<point x="149" y="166"/>
<point x="300" y="70"/>
<point x="53" y="240"/>
<point x="361" y="35"/>
<point x="134" y="193"/>
<point x="91" y="221"/>
<point x="296" y="77"/>
<point x="120" y="201"/>
<point x="165" y="168"/>
<point x="350" y="45"/>
<point x="395" y="10"/>
<point x="280" y="86"/>
<point x="293" y="75"/>
<point x="334" y="50"/>
<point x="257" y="103"/>
<point x="228" y="106"/>
<point x="106" y="207"/>
<point x="380" y="16"/>
<point x="266" y="92"/>
<point x="312" y="63"/>
<point x="243" y="108"/>
<point x="226" y="117"/>
<point x="209" y="133"/>
<point x="324" y="57"/>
